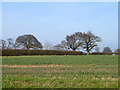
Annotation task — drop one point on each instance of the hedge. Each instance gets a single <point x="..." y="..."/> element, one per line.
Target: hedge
<point x="101" y="53"/>
<point x="14" y="52"/>
<point x="18" y="52"/>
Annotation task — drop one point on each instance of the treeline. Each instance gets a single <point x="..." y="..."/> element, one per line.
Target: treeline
<point x="75" y="42"/>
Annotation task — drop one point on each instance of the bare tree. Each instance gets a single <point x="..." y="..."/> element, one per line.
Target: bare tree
<point x="3" y="44"/>
<point x="48" y="46"/>
<point x="89" y="41"/>
<point x="72" y="41"/>
<point x="58" y="47"/>
<point x="28" y="42"/>
<point x="107" y="50"/>
<point x="10" y="43"/>
<point x="97" y="49"/>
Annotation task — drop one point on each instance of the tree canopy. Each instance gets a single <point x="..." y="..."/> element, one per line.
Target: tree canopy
<point x="79" y="40"/>
<point x="107" y="50"/>
<point x="28" y="42"/>
<point x="90" y="41"/>
<point x="72" y="41"/>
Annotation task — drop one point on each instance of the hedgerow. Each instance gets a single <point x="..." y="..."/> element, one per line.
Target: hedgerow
<point x="14" y="52"/>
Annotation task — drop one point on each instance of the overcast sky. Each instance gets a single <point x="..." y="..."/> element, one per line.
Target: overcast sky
<point x="52" y="21"/>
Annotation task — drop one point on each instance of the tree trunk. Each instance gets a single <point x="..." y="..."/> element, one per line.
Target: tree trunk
<point x="28" y="50"/>
<point x="88" y="53"/>
<point x="73" y="49"/>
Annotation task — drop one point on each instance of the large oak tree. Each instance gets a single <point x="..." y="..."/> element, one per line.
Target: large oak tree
<point x="72" y="41"/>
<point x="28" y="42"/>
<point x="90" y="41"/>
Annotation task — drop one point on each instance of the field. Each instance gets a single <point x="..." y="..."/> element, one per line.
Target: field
<point x="80" y="71"/>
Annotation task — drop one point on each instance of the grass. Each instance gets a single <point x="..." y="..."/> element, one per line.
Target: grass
<point x="93" y="71"/>
<point x="61" y="60"/>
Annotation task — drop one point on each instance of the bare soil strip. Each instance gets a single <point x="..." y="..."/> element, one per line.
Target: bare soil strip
<point x="25" y="66"/>
<point x="45" y="65"/>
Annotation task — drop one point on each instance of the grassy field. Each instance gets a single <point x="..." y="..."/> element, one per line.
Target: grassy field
<point x="93" y="71"/>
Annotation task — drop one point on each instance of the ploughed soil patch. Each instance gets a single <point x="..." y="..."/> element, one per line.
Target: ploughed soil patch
<point x="25" y="66"/>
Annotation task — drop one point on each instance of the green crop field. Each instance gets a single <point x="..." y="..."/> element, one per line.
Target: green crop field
<point x="82" y="71"/>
